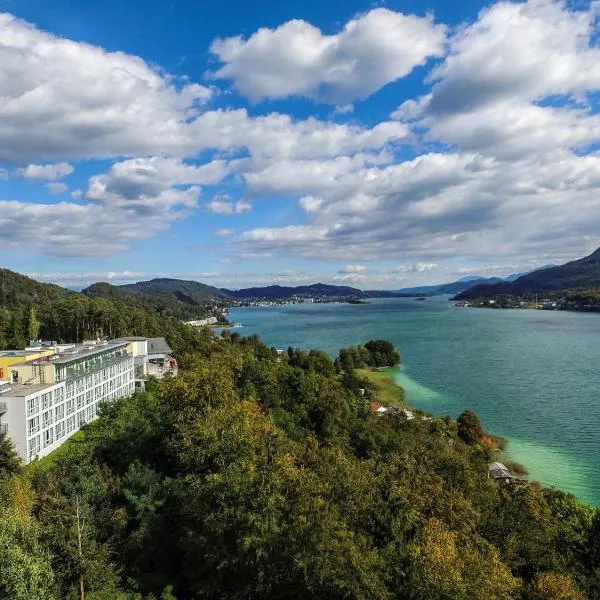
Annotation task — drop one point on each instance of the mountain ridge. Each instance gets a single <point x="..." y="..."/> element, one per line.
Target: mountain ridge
<point x="580" y="274"/>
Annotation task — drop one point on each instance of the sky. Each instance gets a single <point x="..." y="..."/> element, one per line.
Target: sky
<point x="379" y="145"/>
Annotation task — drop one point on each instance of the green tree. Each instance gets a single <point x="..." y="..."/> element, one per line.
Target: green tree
<point x="554" y="586"/>
<point x="469" y="427"/>
<point x="33" y="325"/>
<point x="9" y="459"/>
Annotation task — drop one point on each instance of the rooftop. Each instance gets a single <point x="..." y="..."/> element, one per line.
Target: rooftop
<point x="18" y="390"/>
<point x="16" y="353"/>
<point x="77" y="353"/>
<point x="158" y="346"/>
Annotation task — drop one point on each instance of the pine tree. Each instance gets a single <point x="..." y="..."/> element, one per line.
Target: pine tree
<point x="9" y="459"/>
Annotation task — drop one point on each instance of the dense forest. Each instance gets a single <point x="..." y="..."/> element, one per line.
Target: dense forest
<point x="30" y="310"/>
<point x="169" y="297"/>
<point x="258" y="474"/>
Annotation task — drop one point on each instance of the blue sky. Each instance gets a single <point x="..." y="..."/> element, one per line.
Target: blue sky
<point x="374" y="144"/>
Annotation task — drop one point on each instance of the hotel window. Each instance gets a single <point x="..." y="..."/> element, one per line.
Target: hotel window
<point x="71" y="424"/>
<point x="79" y="385"/>
<point x="48" y="436"/>
<point x="81" y="418"/>
<point x="88" y="381"/>
<point x="59" y="412"/>
<point x="34" y="445"/>
<point x="70" y="390"/>
<point x="89" y="413"/>
<point x="60" y="430"/>
<point x="33" y="425"/>
<point x="59" y="395"/>
<point x="46" y="401"/>
<point x="70" y="406"/>
<point x="33" y="405"/>
<point x="88" y="397"/>
<point x="80" y="401"/>
<point x="47" y="419"/>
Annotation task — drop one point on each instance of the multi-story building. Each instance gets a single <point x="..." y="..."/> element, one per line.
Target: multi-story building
<point x="48" y="399"/>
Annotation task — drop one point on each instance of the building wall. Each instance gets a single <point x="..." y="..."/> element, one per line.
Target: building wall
<point x="6" y="362"/>
<point x="14" y="418"/>
<point x="43" y="421"/>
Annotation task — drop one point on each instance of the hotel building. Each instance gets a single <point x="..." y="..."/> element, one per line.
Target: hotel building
<point x="48" y="399"/>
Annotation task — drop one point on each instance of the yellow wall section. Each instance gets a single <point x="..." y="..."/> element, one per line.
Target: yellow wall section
<point x="6" y="362"/>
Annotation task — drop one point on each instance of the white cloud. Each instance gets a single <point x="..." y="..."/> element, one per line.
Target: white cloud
<point x="223" y="206"/>
<point x="68" y="229"/>
<point x="50" y="172"/>
<point x="62" y="98"/>
<point x="296" y="58"/>
<point x="68" y="278"/>
<point x="352" y="269"/>
<point x="56" y="187"/>
<point x="420" y="267"/>
<point x="224" y="232"/>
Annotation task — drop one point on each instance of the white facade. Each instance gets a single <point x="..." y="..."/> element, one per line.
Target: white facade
<point x="39" y="416"/>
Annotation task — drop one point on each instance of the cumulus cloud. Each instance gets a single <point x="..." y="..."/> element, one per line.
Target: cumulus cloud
<point x="512" y="174"/>
<point x="65" y="98"/>
<point x="420" y="267"/>
<point x="57" y="187"/>
<point x="67" y="229"/>
<point x="69" y="278"/>
<point x="224" y="232"/>
<point x="50" y="172"/>
<point x="352" y="269"/>
<point x="297" y="59"/>
<point x="223" y="206"/>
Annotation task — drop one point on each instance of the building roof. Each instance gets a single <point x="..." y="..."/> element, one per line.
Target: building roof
<point x="134" y="338"/>
<point x="78" y="353"/>
<point x="158" y="346"/>
<point x="19" y="390"/>
<point x="499" y="471"/>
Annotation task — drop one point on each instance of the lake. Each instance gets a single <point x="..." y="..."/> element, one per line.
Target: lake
<point x="531" y="376"/>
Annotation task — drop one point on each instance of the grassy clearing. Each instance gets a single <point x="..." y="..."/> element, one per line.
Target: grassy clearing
<point x="47" y="462"/>
<point x="387" y="391"/>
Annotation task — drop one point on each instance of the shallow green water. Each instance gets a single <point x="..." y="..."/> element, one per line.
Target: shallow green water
<point x="531" y="376"/>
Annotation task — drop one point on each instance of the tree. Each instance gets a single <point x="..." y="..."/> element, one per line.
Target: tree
<point x="469" y="427"/>
<point x="25" y="569"/>
<point x="554" y="586"/>
<point x="33" y="325"/>
<point x="9" y="459"/>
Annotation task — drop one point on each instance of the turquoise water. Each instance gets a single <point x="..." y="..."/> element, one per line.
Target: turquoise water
<point x="532" y="376"/>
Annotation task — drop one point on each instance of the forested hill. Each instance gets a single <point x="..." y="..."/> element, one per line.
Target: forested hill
<point x="260" y="475"/>
<point x="30" y="309"/>
<point x="578" y="275"/>
<point x="171" y="297"/>
<point x="283" y="292"/>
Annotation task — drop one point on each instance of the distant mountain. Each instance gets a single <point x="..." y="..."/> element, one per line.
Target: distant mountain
<point x="581" y="274"/>
<point x="273" y="292"/>
<point x="449" y="288"/>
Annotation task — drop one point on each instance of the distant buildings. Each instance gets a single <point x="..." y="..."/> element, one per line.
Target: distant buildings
<point x="46" y="399"/>
<point x="203" y="322"/>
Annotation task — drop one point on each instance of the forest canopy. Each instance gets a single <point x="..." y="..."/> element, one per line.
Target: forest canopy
<point x="257" y="474"/>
